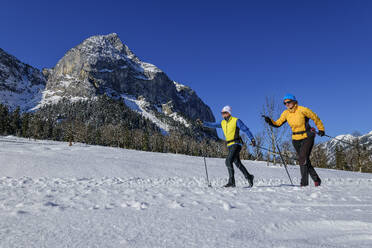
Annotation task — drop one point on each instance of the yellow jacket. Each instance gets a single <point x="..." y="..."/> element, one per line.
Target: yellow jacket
<point x="298" y="120"/>
<point x="231" y="131"/>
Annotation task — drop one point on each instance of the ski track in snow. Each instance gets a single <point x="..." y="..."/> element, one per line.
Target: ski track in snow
<point x="53" y="195"/>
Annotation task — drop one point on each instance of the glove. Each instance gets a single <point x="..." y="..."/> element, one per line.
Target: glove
<point x="321" y="133"/>
<point x="267" y="119"/>
<point x="253" y="141"/>
<point x="199" y="122"/>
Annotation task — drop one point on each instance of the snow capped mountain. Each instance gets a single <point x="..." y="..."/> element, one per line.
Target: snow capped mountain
<point x="20" y="84"/>
<point x="102" y="65"/>
<point x="330" y="146"/>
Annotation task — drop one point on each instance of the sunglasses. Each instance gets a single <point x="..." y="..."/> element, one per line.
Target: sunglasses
<point x="224" y="112"/>
<point x="287" y="102"/>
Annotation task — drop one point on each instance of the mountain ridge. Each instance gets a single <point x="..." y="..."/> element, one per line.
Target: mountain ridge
<point x="345" y="143"/>
<point x="21" y="85"/>
<point x="104" y="65"/>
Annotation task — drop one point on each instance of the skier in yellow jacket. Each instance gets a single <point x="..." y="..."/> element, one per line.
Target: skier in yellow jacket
<point x="303" y="135"/>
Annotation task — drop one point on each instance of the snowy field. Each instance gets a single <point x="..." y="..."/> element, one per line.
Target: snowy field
<point x="53" y="195"/>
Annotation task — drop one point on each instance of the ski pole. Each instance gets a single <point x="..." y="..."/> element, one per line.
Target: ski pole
<point x="285" y="164"/>
<point x="281" y="156"/>
<point x="345" y="142"/>
<point x="266" y="149"/>
<point x="206" y="172"/>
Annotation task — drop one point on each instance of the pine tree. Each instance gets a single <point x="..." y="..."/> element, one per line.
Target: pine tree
<point x="4" y="120"/>
<point x="145" y="142"/>
<point x="340" y="158"/>
<point x="319" y="157"/>
<point x="25" y="122"/>
<point x="15" y="122"/>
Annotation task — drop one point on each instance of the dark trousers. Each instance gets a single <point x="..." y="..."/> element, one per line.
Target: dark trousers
<point x="234" y="157"/>
<point x="303" y="148"/>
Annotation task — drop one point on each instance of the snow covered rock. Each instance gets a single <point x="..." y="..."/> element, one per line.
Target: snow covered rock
<point x="365" y="141"/>
<point x="20" y="84"/>
<point x="104" y="65"/>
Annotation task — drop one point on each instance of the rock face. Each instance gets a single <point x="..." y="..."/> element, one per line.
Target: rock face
<point x="104" y="65"/>
<point x="20" y="84"/>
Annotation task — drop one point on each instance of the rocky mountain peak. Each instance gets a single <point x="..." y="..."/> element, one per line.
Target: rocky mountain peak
<point x="103" y="64"/>
<point x="106" y="45"/>
<point x="21" y="85"/>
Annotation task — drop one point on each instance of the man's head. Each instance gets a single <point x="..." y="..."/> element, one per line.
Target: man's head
<point x="226" y="112"/>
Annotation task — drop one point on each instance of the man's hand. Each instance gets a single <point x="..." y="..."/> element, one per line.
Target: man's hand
<point x="199" y="122"/>
<point x="253" y="142"/>
<point x="321" y="133"/>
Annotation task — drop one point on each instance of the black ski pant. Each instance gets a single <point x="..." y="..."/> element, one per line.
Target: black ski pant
<point x="234" y="157"/>
<point x="303" y="148"/>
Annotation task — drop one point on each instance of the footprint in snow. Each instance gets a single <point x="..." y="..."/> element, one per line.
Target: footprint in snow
<point x="314" y="195"/>
<point x="227" y="206"/>
<point x="51" y="204"/>
<point x="269" y="190"/>
<point x="136" y="205"/>
<point x="95" y="207"/>
<point x="110" y="206"/>
<point x="140" y="205"/>
<point x="22" y="212"/>
<point x="176" y="204"/>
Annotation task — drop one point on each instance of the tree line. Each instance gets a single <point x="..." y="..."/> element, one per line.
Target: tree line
<point x="354" y="157"/>
<point x="110" y="122"/>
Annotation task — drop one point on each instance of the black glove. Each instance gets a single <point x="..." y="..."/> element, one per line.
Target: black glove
<point x="199" y="122"/>
<point x="321" y="133"/>
<point x="253" y="141"/>
<point x="267" y="119"/>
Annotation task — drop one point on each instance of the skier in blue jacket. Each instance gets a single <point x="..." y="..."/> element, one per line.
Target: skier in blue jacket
<point x="231" y="128"/>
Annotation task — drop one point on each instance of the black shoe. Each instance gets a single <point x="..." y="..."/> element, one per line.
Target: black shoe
<point x="317" y="183"/>
<point x="230" y="184"/>
<point x="250" y="180"/>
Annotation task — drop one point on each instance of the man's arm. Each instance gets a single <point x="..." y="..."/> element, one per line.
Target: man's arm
<point x="212" y="125"/>
<point x="244" y="129"/>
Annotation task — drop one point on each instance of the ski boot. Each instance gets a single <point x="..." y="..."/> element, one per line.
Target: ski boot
<point x="317" y="183"/>
<point x="250" y="180"/>
<point x="231" y="183"/>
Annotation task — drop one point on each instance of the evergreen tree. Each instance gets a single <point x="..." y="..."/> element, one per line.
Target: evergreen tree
<point x="319" y="157"/>
<point x="15" y="122"/>
<point x="340" y="158"/>
<point x="4" y="120"/>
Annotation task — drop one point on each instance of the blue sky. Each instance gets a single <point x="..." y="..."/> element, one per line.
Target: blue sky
<point x="230" y="52"/>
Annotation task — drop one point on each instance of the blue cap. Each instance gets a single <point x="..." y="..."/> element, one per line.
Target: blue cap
<point x="289" y="97"/>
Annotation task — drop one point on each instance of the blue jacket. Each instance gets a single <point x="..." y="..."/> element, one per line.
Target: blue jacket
<point x="239" y="124"/>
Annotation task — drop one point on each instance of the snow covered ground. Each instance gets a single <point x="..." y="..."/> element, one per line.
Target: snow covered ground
<point x="53" y="195"/>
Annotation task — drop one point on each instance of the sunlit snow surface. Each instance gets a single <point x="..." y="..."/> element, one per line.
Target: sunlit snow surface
<point x="53" y="195"/>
